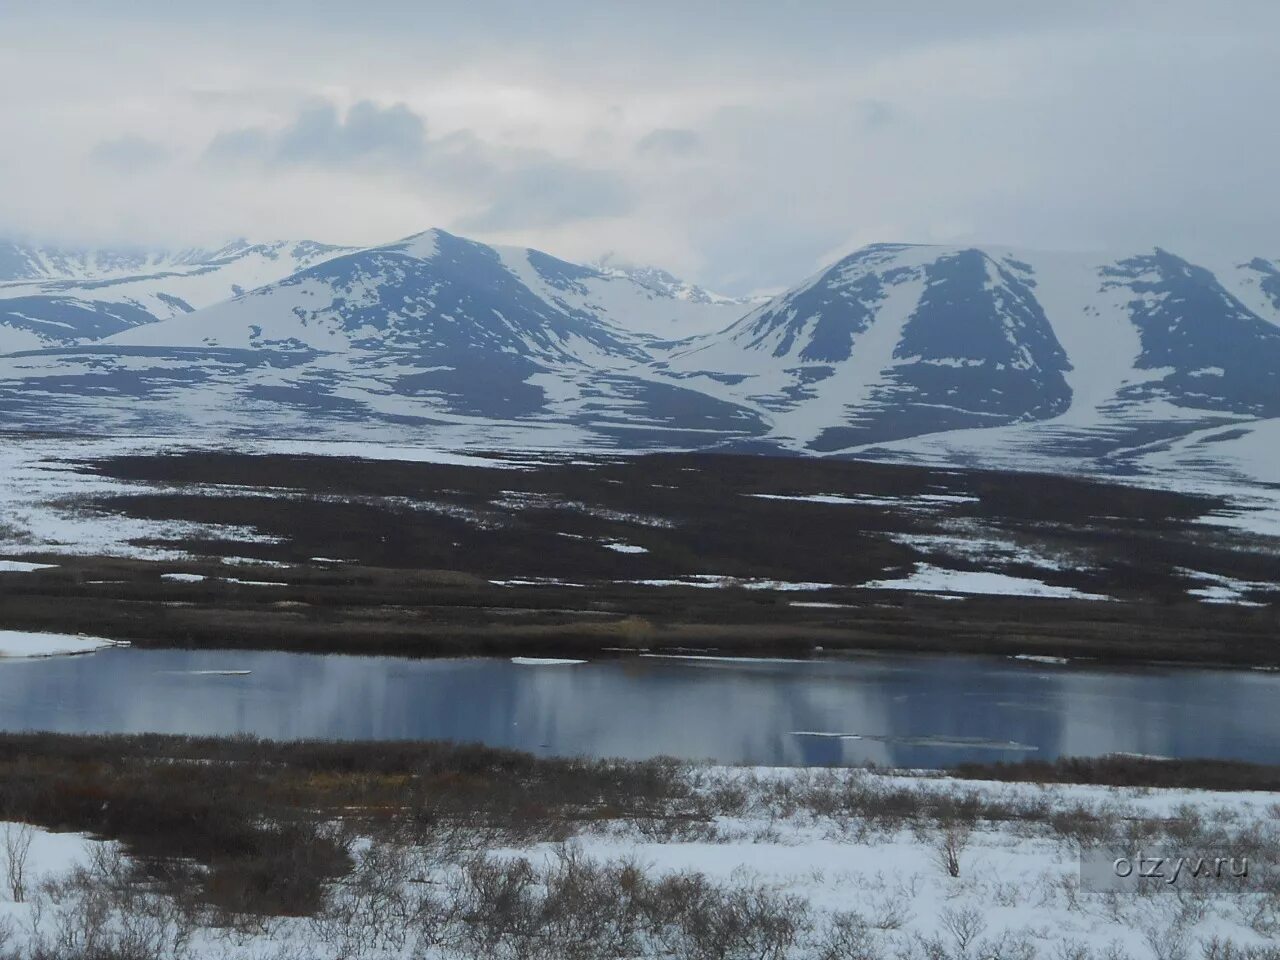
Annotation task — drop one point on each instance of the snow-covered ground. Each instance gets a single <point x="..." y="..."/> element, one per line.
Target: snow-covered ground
<point x="927" y="578"/>
<point x="856" y="887"/>
<point x="1021" y="883"/>
<point x="21" y="566"/>
<point x="1219" y="589"/>
<point x="43" y="487"/>
<point x="715" y="581"/>
<point x="47" y="484"/>
<point x="918" y="501"/>
<point x="1240" y="465"/>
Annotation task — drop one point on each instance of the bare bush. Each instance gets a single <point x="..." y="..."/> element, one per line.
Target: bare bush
<point x="743" y="923"/>
<point x="386" y="904"/>
<point x="580" y="909"/>
<point x="951" y="842"/>
<point x="1219" y="949"/>
<point x="101" y="910"/>
<point x="848" y="936"/>
<point x="1166" y="940"/>
<point x="891" y="910"/>
<point x="965" y="925"/>
<point x="1085" y="826"/>
<point x="17" y="848"/>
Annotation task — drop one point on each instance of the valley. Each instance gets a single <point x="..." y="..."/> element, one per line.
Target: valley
<point x="577" y="555"/>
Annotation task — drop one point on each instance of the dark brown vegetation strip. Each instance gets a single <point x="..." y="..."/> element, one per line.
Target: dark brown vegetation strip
<point x="1124" y="771"/>
<point x="423" y="541"/>
<point x="257" y="813"/>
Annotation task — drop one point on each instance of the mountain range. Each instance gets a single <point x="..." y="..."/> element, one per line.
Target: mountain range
<point x="893" y="349"/>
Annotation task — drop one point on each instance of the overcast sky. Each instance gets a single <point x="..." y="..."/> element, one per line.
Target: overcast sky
<point x="740" y="144"/>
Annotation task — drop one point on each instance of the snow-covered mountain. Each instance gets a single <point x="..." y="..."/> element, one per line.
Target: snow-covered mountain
<point x="892" y="340"/>
<point x="896" y="341"/>
<point x="432" y="292"/>
<point x="666" y="286"/>
<point x="895" y="350"/>
<point x="53" y="296"/>
<point x="21" y="261"/>
<point x="428" y="330"/>
<point x="640" y="300"/>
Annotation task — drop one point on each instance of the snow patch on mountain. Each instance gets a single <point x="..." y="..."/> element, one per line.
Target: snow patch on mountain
<point x="1135" y="365"/>
<point x="58" y="298"/>
<point x="893" y="340"/>
<point x="643" y="301"/>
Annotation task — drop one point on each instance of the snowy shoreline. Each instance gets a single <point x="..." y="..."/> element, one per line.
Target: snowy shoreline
<point x="22" y="645"/>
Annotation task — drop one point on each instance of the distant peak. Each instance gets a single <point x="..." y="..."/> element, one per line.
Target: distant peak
<point x="423" y="246"/>
<point x="660" y="281"/>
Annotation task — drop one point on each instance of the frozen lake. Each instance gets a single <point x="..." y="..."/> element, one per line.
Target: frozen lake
<point x="903" y="710"/>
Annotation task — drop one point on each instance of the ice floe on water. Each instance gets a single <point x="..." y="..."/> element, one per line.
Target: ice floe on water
<point x="927" y="578"/>
<point x="183" y="577"/>
<point x="545" y="662"/>
<point x="22" y="645"/>
<point x="625" y="548"/>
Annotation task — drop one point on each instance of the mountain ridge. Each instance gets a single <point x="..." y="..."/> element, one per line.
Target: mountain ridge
<point x="892" y="344"/>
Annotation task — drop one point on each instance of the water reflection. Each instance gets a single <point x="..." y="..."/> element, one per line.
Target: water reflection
<point x="900" y="711"/>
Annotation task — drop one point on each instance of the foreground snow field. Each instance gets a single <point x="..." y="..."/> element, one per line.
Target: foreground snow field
<point x="789" y="881"/>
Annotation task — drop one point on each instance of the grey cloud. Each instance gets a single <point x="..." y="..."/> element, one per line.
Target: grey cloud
<point x="874" y="113"/>
<point x="548" y="193"/>
<point x="1076" y="125"/>
<point x="669" y="142"/>
<point x="233" y="146"/>
<point x="128" y="153"/>
<point x="320" y="135"/>
<point x="512" y="188"/>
